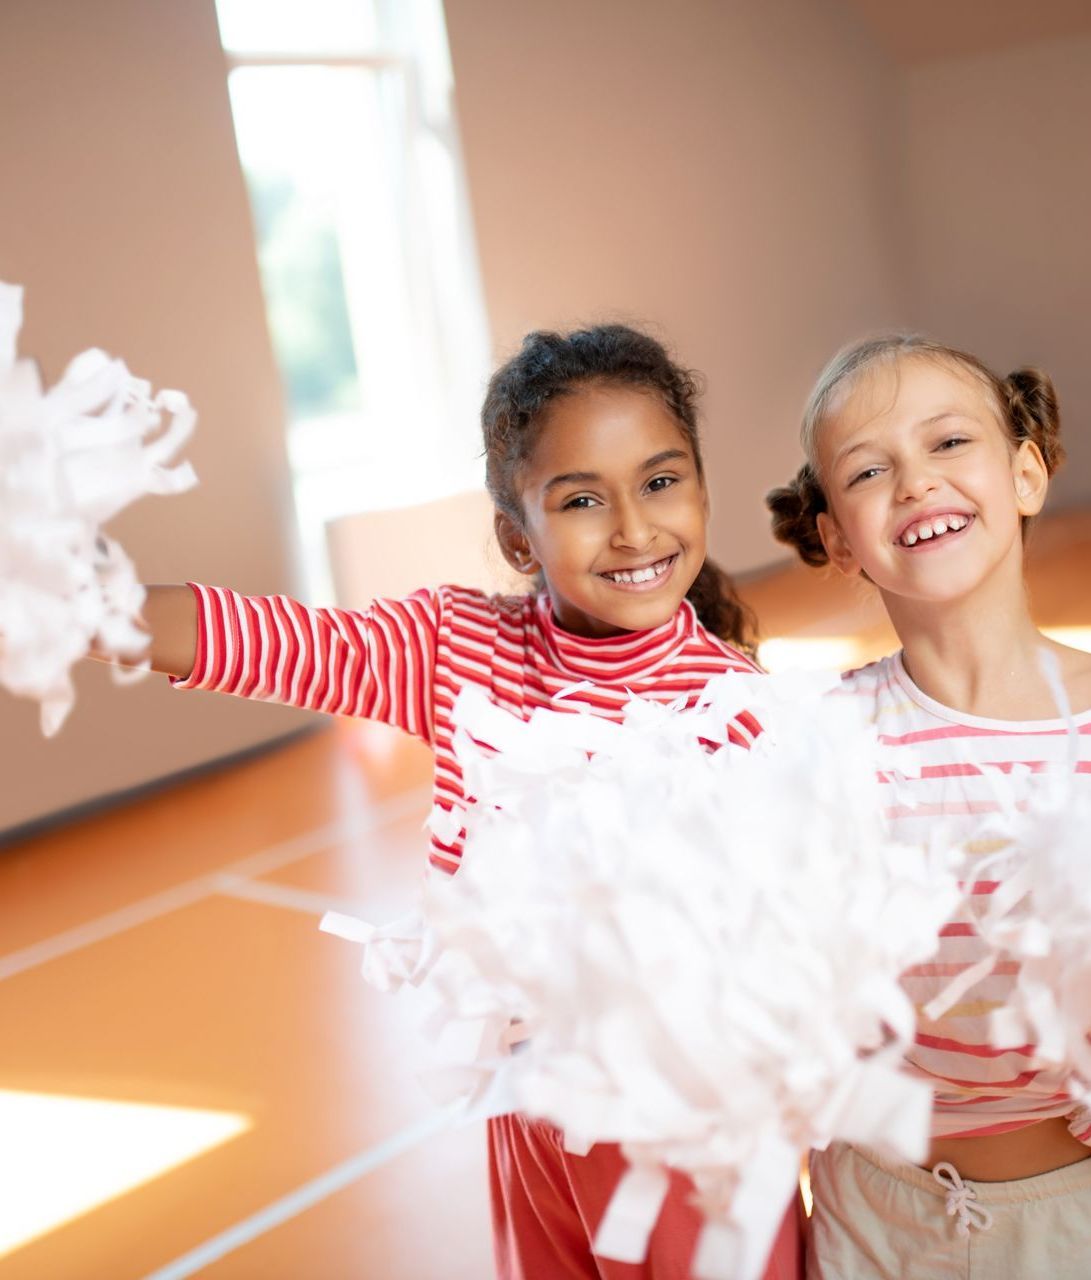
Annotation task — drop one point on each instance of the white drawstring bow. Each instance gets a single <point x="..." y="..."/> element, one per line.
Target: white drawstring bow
<point x="962" y="1200"/>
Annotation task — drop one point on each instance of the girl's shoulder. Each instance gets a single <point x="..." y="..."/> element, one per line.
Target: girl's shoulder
<point x="878" y="692"/>
<point x="473" y="604"/>
<point x="869" y="680"/>
<point x="717" y="648"/>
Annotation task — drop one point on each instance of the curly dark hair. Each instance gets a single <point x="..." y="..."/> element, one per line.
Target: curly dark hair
<point x="554" y="364"/>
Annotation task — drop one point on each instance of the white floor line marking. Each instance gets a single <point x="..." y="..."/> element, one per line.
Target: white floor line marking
<point x="271" y="894"/>
<point x="304" y="1197"/>
<point x="280" y="855"/>
<point x="191" y="891"/>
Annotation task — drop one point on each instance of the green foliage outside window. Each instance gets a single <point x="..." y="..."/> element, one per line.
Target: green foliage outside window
<point x="305" y="298"/>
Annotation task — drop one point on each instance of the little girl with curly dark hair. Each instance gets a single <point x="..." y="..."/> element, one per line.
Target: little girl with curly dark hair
<point x="595" y="469"/>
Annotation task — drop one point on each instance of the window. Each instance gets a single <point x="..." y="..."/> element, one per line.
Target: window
<point x="344" y="119"/>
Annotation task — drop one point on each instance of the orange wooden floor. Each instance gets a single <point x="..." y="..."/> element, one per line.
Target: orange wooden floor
<point x="168" y="952"/>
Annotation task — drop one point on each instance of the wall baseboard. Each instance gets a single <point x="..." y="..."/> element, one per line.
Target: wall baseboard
<point x="115" y="799"/>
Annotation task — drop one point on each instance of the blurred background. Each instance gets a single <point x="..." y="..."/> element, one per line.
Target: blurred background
<point x="326" y="221"/>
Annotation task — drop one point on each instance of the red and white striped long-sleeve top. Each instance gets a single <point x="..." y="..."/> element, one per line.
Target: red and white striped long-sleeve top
<point x="404" y="662"/>
<point x="954" y="764"/>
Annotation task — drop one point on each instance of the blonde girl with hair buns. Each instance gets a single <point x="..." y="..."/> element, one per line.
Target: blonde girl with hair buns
<point x="923" y="470"/>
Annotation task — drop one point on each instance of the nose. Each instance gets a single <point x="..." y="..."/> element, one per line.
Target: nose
<point x="915" y="479"/>
<point x="633" y="531"/>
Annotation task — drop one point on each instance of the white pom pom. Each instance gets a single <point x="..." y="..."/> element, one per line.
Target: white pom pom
<point x="704" y="947"/>
<point x="1040" y="914"/>
<point x="70" y="459"/>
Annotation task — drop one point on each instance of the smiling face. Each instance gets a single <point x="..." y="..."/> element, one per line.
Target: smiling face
<point x="926" y="491"/>
<point x="614" y="511"/>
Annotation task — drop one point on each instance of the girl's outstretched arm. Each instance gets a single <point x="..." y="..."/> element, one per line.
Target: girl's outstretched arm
<point x="170" y="616"/>
<point x="378" y="664"/>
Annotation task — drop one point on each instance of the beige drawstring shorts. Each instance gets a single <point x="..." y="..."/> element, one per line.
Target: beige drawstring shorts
<point x="878" y="1219"/>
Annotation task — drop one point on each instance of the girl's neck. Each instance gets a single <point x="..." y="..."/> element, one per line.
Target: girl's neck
<point x="978" y="655"/>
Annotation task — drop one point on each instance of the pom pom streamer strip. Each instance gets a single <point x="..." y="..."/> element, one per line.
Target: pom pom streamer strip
<point x="1040" y="913"/>
<point x="699" y="949"/>
<point x="71" y="457"/>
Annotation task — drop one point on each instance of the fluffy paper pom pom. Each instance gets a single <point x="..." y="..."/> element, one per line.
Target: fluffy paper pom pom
<point x="699" y="949"/>
<point x="71" y="457"/>
<point x="1040" y="912"/>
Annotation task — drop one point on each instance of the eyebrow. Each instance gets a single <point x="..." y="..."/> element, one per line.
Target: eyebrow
<point x="926" y="422"/>
<point x="591" y="477"/>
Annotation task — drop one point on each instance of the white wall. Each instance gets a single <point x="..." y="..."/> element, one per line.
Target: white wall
<point x="752" y="178"/>
<point x="997" y="189"/>
<point x="720" y="171"/>
<point x="124" y="214"/>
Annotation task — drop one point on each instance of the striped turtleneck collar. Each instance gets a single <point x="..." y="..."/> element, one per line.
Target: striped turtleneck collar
<point x="615" y="659"/>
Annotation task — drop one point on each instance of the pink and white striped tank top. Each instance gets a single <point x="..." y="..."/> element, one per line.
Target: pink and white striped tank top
<point x="978" y="1089"/>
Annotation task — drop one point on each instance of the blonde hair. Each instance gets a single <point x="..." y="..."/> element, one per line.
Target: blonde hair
<point x="1025" y="402"/>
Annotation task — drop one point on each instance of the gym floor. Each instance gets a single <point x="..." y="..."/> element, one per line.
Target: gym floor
<point x="164" y="956"/>
<point x="194" y="1081"/>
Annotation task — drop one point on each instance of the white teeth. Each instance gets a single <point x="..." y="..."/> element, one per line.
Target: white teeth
<point x="933" y="528"/>
<point x="641" y="575"/>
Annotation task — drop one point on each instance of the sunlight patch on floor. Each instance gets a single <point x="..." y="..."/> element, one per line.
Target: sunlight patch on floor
<point x="62" y="1156"/>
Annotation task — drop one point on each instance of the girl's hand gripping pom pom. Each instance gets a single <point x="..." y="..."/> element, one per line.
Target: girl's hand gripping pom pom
<point x="71" y="457"/>
<point x="701" y="947"/>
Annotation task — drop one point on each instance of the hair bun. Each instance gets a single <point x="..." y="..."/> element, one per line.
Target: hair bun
<point x="795" y="509"/>
<point x="1034" y="414"/>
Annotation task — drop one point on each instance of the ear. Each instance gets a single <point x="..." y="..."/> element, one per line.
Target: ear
<point x="514" y="545"/>
<point x="837" y="548"/>
<point x="1030" y="476"/>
